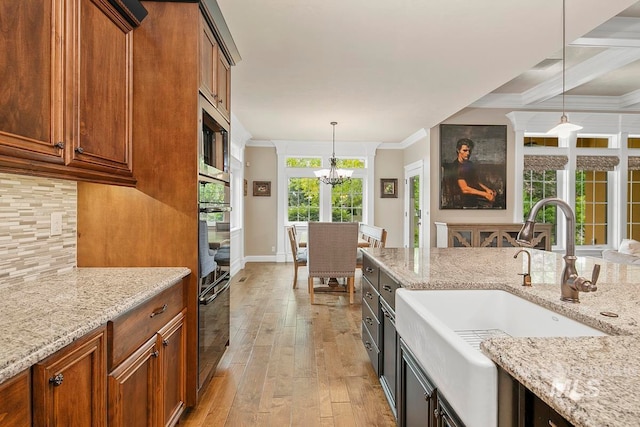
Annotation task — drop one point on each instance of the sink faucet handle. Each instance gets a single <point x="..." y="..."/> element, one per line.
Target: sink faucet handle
<point x="594" y="275"/>
<point x="585" y="285"/>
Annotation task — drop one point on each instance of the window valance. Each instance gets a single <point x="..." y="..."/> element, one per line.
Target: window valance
<point x="634" y="163"/>
<point x="544" y="163"/>
<point x="597" y="163"/>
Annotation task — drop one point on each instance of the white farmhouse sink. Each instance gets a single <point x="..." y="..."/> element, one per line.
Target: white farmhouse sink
<point x="443" y="328"/>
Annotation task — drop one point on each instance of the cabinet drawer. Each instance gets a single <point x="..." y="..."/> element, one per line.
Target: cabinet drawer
<point x="371" y="322"/>
<point x="130" y="330"/>
<point x="372" y="350"/>
<point x="388" y="288"/>
<point x="370" y="271"/>
<point x="371" y="297"/>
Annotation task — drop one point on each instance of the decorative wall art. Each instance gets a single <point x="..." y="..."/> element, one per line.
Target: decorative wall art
<point x="262" y="188"/>
<point x="473" y="166"/>
<point x="388" y="187"/>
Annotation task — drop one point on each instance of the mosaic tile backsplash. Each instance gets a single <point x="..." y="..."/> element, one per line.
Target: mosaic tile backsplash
<point x="27" y="248"/>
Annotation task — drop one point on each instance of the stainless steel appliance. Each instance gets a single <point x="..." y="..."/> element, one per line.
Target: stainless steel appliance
<point x="214" y="295"/>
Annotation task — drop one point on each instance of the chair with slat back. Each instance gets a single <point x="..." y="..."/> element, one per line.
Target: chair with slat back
<point x="299" y="255"/>
<point x="332" y="248"/>
<point x="376" y="236"/>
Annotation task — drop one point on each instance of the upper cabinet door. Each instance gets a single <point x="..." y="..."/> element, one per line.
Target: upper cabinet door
<point x="208" y="62"/>
<point x="99" y="62"/>
<point x="31" y="75"/>
<point x="224" y="85"/>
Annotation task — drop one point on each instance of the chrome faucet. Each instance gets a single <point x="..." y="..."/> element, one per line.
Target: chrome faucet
<point x="571" y="283"/>
<point x="526" y="277"/>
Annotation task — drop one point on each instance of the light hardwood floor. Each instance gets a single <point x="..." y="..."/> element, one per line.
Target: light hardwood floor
<point x="290" y="363"/>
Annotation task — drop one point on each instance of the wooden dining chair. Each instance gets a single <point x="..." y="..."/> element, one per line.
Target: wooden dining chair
<point x="331" y="253"/>
<point x="299" y="255"/>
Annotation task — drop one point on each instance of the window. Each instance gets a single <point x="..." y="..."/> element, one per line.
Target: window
<point x="307" y="196"/>
<point x="545" y="168"/>
<point x="539" y="185"/>
<point x="633" y="205"/>
<point x="346" y="201"/>
<point x="304" y="200"/>
<point x="591" y="207"/>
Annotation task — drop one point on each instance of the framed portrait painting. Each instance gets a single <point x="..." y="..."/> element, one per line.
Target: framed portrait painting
<point x="473" y="166"/>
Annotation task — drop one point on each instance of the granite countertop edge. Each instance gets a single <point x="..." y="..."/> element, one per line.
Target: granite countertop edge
<point x="22" y="353"/>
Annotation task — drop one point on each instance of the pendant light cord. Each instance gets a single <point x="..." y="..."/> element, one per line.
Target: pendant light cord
<point x="563" y="54"/>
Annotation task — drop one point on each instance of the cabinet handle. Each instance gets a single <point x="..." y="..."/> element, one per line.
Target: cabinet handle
<point x="159" y="310"/>
<point x="79" y="150"/>
<point x="165" y="342"/>
<point x="387" y="288"/>
<point x="369" y="270"/>
<point x="552" y="424"/>
<point x="56" y="380"/>
<point x="59" y="145"/>
<point x="369" y="295"/>
<point x="435" y="412"/>
<point x="369" y="320"/>
<point x="155" y="353"/>
<point x="367" y="345"/>
<point x="427" y="395"/>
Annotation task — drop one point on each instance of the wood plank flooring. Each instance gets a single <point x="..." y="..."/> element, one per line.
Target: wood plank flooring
<point x="290" y="363"/>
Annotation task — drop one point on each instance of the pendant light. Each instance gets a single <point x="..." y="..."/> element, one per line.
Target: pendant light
<point x="333" y="176"/>
<point x="564" y="128"/>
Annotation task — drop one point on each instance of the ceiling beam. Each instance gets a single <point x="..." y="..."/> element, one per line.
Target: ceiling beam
<point x="594" y="67"/>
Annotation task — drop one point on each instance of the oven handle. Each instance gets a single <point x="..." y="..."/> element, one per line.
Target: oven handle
<point x="212" y="297"/>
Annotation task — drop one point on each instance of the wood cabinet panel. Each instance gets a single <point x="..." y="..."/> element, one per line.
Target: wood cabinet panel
<point x="223" y="91"/>
<point x="31" y="74"/>
<point x="208" y="61"/>
<point x="101" y="132"/>
<point x="172" y="339"/>
<point x="132" y="389"/>
<point x="69" y="387"/>
<point x="15" y="401"/>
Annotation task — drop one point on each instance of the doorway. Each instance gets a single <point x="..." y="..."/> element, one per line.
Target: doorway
<point x="415" y="215"/>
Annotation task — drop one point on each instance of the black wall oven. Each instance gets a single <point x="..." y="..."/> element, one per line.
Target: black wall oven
<point x="214" y="293"/>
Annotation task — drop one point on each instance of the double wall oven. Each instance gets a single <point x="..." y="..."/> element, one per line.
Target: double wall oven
<point x="215" y="208"/>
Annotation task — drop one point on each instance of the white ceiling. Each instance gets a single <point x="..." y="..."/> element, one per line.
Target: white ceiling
<point x="386" y="69"/>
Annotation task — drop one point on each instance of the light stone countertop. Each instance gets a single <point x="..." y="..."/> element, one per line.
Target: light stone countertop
<point x="39" y="318"/>
<point x="591" y="381"/>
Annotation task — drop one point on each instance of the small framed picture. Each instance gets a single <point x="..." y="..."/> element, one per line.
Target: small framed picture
<point x="262" y="188"/>
<point x="388" y="187"/>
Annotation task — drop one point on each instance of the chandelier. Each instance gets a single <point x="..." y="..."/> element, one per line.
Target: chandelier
<point x="564" y="128"/>
<point x="333" y="176"/>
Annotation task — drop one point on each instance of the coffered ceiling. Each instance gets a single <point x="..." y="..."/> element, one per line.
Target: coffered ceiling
<point x="385" y="70"/>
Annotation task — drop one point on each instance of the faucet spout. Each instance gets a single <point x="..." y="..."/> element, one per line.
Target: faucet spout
<point x="526" y="276"/>
<point x="571" y="283"/>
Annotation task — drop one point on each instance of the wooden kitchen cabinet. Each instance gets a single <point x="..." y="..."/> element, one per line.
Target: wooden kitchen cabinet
<point x="67" y="85"/>
<point x="15" y="401"/>
<point x="215" y="71"/>
<point x="69" y="387"/>
<point x="148" y="388"/>
<point x="417" y="396"/>
<point x="147" y="362"/>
